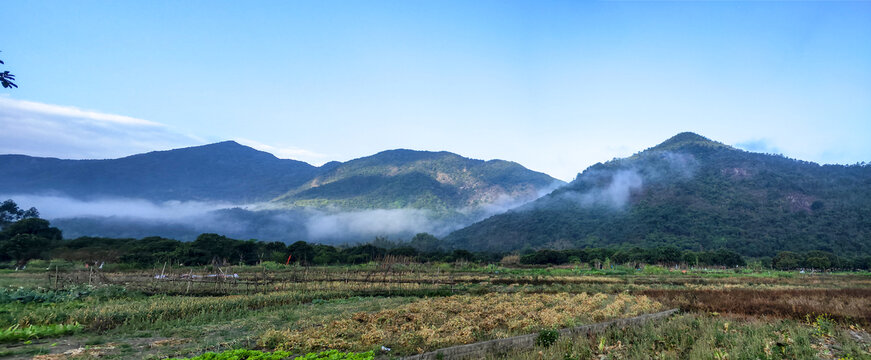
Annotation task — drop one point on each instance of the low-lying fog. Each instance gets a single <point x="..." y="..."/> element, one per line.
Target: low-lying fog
<point x="185" y="220"/>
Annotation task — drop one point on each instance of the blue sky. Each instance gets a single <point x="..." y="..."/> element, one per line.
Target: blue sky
<point x="555" y="86"/>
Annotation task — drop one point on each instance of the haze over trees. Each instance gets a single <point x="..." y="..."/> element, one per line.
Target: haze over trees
<point x="695" y="194"/>
<point x="688" y="199"/>
<point x="28" y="237"/>
<point x="230" y="172"/>
<point x="241" y="192"/>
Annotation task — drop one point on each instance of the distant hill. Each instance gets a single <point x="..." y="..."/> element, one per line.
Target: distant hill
<point x="338" y="202"/>
<point x="401" y="178"/>
<point x="695" y="193"/>
<point x="225" y="171"/>
<point x="230" y="172"/>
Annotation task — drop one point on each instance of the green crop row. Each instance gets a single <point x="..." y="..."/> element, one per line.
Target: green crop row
<point x="243" y="354"/>
<point x="17" y="333"/>
<point x="22" y="295"/>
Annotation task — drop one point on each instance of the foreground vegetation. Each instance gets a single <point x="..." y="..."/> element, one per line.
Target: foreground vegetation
<point x="220" y="298"/>
<point x="138" y="317"/>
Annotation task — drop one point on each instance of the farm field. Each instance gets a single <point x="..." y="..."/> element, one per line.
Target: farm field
<point x="50" y="312"/>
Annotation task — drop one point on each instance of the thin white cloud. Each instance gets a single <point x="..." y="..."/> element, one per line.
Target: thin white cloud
<point x="759" y="145"/>
<point x="38" y="129"/>
<point x="56" y="206"/>
<point x="285" y="152"/>
<point x="72" y="112"/>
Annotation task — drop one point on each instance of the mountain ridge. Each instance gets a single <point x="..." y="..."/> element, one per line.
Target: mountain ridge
<point x="431" y="180"/>
<point x="230" y="172"/>
<point x="695" y="193"/>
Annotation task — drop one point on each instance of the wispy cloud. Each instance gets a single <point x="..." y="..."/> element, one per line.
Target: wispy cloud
<point x="759" y="145"/>
<point x="286" y="152"/>
<point x="73" y="112"/>
<point x="39" y="129"/>
<point x="57" y="206"/>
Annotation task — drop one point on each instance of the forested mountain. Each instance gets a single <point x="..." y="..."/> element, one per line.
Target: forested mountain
<point x="230" y="172"/>
<point x="225" y="171"/>
<point x="440" y="181"/>
<point x="697" y="194"/>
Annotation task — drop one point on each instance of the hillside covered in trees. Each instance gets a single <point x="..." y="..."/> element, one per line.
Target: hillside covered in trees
<point x="402" y="178"/>
<point x="234" y="173"/>
<point x="696" y="194"/>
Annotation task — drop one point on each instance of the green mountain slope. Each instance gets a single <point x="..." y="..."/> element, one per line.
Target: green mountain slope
<point x="418" y="179"/>
<point x="697" y="194"/>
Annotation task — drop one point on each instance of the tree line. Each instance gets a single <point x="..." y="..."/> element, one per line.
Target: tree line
<point x="673" y="256"/>
<point x="666" y="255"/>
<point x="24" y="236"/>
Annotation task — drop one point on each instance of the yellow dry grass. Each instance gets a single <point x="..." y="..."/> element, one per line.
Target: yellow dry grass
<point x="438" y="322"/>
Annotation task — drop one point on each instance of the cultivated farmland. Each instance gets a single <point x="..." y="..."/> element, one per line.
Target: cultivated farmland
<point x="412" y="308"/>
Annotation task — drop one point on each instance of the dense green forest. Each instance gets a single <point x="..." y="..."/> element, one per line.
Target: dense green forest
<point x="25" y="237"/>
<point x="440" y="181"/>
<point x="695" y="194"/>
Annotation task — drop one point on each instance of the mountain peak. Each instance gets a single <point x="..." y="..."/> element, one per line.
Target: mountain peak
<point x="687" y="138"/>
<point x="219" y="149"/>
<point x="400" y="156"/>
<point x="225" y="143"/>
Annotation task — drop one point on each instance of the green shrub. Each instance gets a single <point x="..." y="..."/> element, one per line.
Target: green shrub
<point x="546" y="338"/>
<point x="823" y="325"/>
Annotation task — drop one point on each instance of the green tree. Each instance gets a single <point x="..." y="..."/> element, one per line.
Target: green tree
<point x="403" y="251"/>
<point x="274" y="251"/>
<point x="458" y="255"/>
<point x="325" y="254"/>
<point x="6" y="78"/>
<point x="24" y="247"/>
<point x="10" y="212"/>
<point x="301" y="252"/>
<point x="153" y="249"/>
<point x="785" y="260"/>
<point x="214" y="247"/>
<point x="818" y="262"/>
<point x="822" y="260"/>
<point x="33" y="226"/>
<point x="426" y="243"/>
<point x="247" y="252"/>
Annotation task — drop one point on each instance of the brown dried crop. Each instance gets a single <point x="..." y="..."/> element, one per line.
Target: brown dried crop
<point x="461" y="319"/>
<point x="845" y="305"/>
